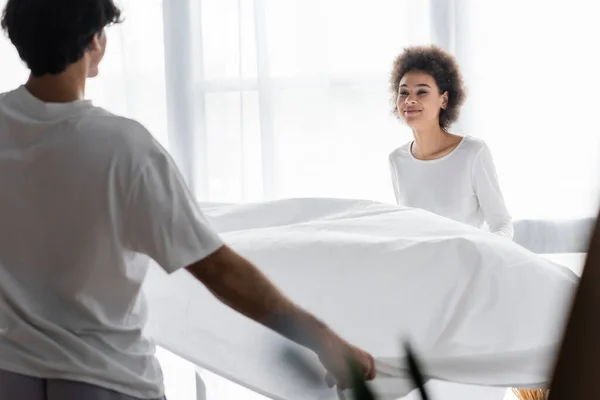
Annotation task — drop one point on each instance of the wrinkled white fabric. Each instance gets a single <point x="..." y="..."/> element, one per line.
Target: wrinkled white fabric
<point x="479" y="309"/>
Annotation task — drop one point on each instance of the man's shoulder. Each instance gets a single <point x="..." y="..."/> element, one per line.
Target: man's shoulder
<point x="97" y="119"/>
<point x="101" y="126"/>
<point x="123" y="142"/>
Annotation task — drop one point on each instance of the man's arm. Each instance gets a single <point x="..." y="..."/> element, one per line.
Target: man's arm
<point x="243" y="287"/>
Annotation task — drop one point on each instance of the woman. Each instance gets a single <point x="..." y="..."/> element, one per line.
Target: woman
<point x="444" y="173"/>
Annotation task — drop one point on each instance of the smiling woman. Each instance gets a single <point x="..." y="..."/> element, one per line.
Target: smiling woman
<point x="448" y="174"/>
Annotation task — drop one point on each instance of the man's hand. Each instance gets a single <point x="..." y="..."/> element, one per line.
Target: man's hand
<point x="335" y="357"/>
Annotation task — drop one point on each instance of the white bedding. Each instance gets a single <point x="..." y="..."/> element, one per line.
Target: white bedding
<point x="479" y="309"/>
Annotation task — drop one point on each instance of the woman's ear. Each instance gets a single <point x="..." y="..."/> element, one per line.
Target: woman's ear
<point x="444" y="100"/>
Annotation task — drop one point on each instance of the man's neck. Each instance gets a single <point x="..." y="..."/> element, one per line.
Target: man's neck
<point x="66" y="87"/>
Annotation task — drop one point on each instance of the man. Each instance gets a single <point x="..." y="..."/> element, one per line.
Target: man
<point x="87" y="198"/>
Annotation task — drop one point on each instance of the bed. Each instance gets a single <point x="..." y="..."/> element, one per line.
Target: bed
<point x="481" y="310"/>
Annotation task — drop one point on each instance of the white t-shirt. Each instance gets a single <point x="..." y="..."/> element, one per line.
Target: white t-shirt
<point x="86" y="199"/>
<point x="462" y="185"/>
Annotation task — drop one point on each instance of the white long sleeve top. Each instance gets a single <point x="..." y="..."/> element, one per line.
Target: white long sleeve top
<point x="462" y="185"/>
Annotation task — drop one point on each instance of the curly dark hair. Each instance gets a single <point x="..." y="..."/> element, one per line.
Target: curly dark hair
<point x="50" y="35"/>
<point x="442" y="67"/>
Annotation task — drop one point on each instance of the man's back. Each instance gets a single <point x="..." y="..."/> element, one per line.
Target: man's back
<point x="86" y="199"/>
<point x="69" y="289"/>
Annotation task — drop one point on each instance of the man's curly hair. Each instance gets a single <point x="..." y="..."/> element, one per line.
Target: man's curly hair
<point x="50" y="35"/>
<point x="442" y="67"/>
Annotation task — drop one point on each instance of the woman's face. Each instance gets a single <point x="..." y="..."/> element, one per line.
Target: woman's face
<point x="419" y="100"/>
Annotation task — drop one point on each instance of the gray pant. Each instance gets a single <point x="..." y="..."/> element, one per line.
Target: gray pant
<point x="21" y="387"/>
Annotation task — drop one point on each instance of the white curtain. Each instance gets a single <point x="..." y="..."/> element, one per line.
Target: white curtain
<point x="264" y="99"/>
<point x="532" y="73"/>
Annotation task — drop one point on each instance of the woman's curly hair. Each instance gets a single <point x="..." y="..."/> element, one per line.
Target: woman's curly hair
<point x="442" y="67"/>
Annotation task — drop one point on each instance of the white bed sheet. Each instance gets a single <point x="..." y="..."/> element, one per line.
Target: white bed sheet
<point x="574" y="261"/>
<point x="401" y="271"/>
<point x="441" y="390"/>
